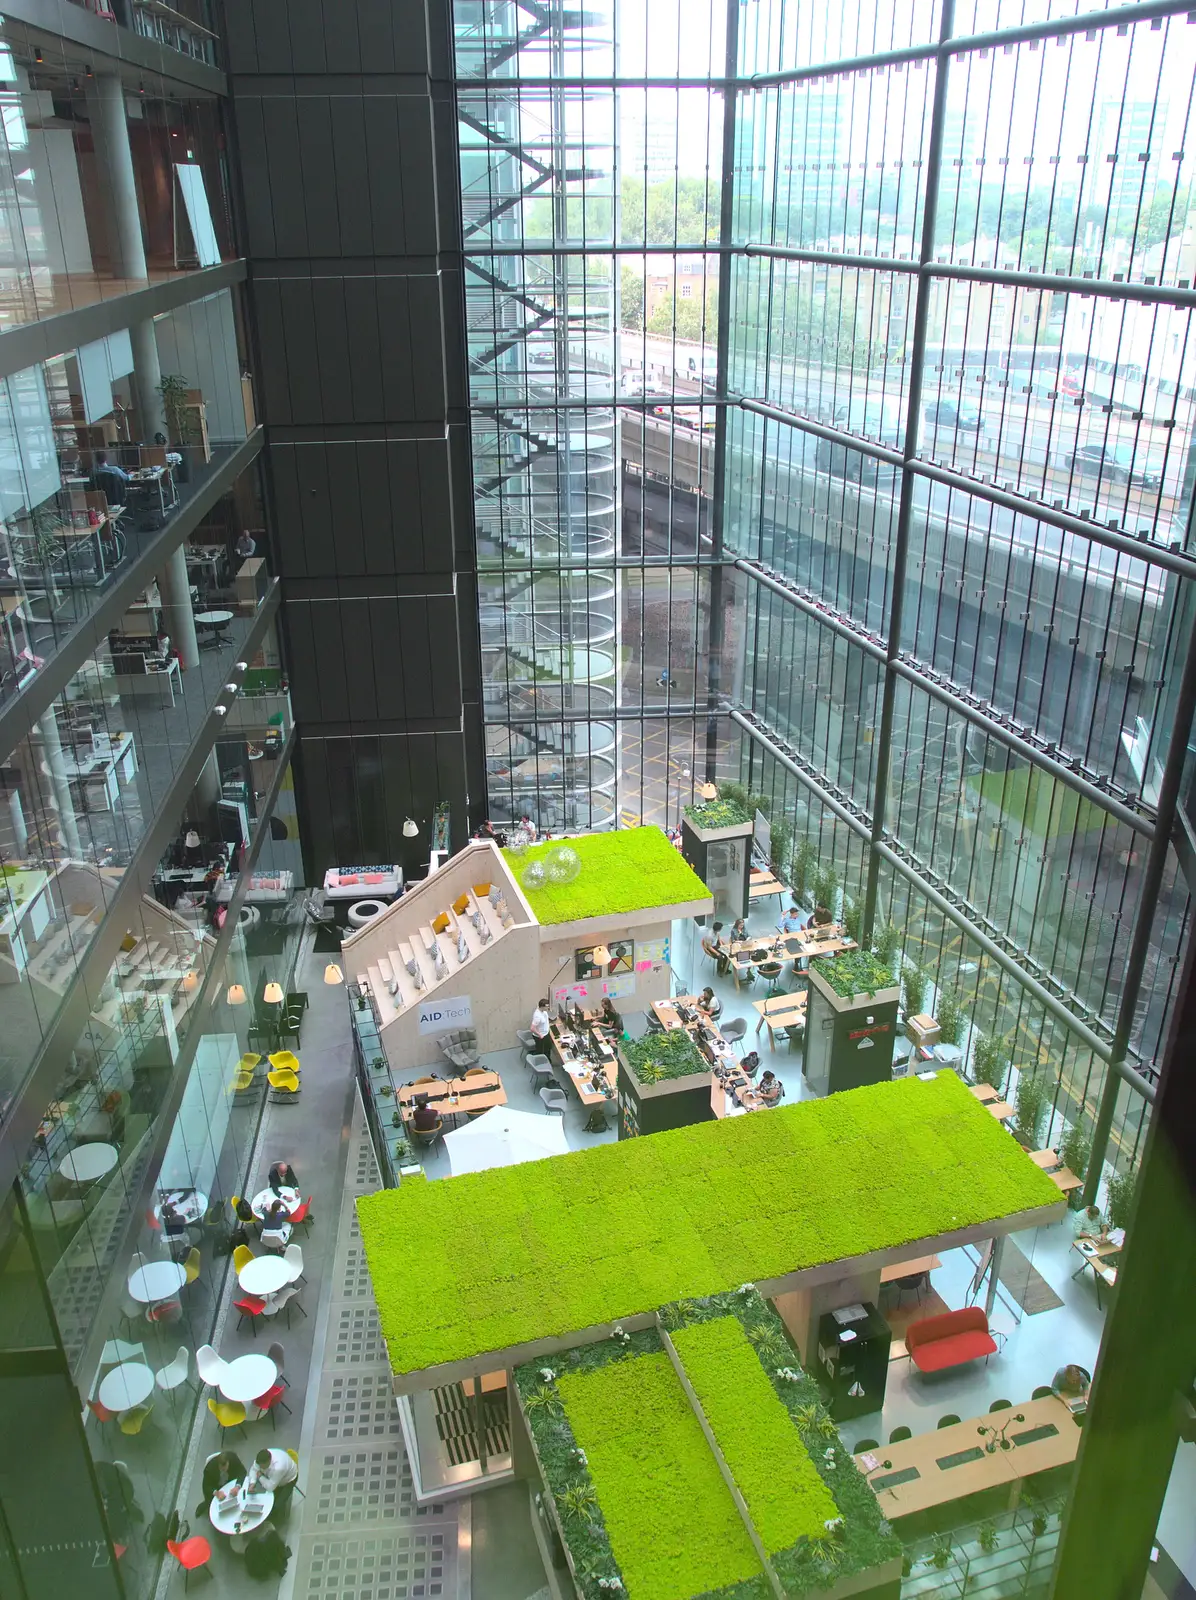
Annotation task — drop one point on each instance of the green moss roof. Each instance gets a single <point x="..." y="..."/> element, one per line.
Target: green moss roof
<point x="631" y="869"/>
<point x="552" y="1247"/>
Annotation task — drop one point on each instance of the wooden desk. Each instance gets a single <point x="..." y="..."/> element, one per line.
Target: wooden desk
<point x="908" y="1269"/>
<point x="666" y="1010"/>
<point x="793" y="946"/>
<point x="782" y="1011"/>
<point x="473" y="1094"/>
<point x="1065" y="1180"/>
<point x="1099" y="1254"/>
<point x="763" y="884"/>
<point x="1046" y="1159"/>
<point x="580" y="1071"/>
<point x="1001" y="1109"/>
<point x="984" y="1092"/>
<point x="936" y="1485"/>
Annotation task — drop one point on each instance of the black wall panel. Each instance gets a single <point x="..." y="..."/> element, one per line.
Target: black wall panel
<point x="345" y="147"/>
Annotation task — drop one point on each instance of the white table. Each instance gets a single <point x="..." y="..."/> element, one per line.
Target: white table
<point x="95" y="779"/>
<point x="87" y="1162"/>
<point x="264" y="1275"/>
<point x="158" y="1280"/>
<point x="291" y="1198"/>
<point x="215" y="622"/>
<point x="125" y="1386"/>
<point x="190" y="1204"/>
<point x="225" y="1515"/>
<point x="248" y="1377"/>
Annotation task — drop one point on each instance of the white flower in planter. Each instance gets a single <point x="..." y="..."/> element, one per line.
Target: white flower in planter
<point x="610" y="1583"/>
<point x="581" y="1456"/>
<point x="619" y="1332"/>
<point x="746" y="1288"/>
<point x="833" y="1524"/>
<point x="547" y="1374"/>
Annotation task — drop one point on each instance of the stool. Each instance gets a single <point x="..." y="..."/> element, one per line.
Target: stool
<point x="363" y="911"/>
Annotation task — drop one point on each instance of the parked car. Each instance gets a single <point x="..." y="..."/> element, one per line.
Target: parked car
<point x="1118" y="463"/>
<point x="879" y="419"/>
<point x="953" y="414"/>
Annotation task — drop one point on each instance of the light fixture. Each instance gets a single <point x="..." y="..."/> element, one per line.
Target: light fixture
<point x="90" y="73"/>
<point x="230" y="688"/>
<point x="333" y="974"/>
<point x="37" y="56"/>
<point x="220" y="710"/>
<point x="241" y="665"/>
<point x="235" y="995"/>
<point x="601" y="955"/>
<point x="708" y="791"/>
<point x="191" y="839"/>
<point x="190" y="982"/>
<point x="410" y="829"/>
<point x="272" y="994"/>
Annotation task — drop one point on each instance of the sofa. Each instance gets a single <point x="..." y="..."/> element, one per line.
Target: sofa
<point x="949" y="1340"/>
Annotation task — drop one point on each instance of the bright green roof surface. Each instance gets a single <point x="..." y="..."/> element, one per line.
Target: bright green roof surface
<point x="631" y="869"/>
<point x="465" y="1266"/>
<point x="673" y="1526"/>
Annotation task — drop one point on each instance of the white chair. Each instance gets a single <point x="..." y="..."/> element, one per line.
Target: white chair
<point x="136" y="1261"/>
<point x="293" y="1256"/>
<point x="282" y="1302"/>
<point x="176" y="1372"/>
<point x="275" y="1239"/>
<point x="118" y="1350"/>
<point x="554" y="1099"/>
<point x="209" y="1365"/>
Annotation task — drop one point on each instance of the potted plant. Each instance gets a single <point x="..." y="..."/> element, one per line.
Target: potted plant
<point x="948" y="1014"/>
<point x="1119" y="1197"/>
<point x="887" y="945"/>
<point x="1031" y="1103"/>
<point x="987" y="1537"/>
<point x="941" y="1551"/>
<point x="990" y="1064"/>
<point x="914" y="982"/>
<point x="781" y="842"/>
<point x="174" y="390"/>
<point x="1074" y="1153"/>
<point x="802" y="868"/>
<point x="852" y="978"/>
<point x="826" y="887"/>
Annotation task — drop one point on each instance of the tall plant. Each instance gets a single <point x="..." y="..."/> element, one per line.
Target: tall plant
<point x="887" y="945"/>
<point x="826" y="887"/>
<point x="173" y="389"/>
<point x="804" y="866"/>
<point x="1032" y="1105"/>
<point x="1119" y="1197"/>
<point x="915" y="982"/>
<point x="1075" y="1152"/>
<point x="782" y="841"/>
<point x="990" y="1064"/>
<point x="949" y="1016"/>
<point x="852" y="912"/>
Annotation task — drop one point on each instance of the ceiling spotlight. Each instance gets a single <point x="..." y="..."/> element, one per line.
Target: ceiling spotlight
<point x="37" y="56"/>
<point x="230" y="688"/>
<point x="601" y="955"/>
<point x="89" y="72"/>
<point x="241" y="665"/>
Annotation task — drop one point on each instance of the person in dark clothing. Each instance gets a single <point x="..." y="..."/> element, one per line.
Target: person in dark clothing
<point x="610" y="1020"/>
<point x="282" y="1176"/>
<point x="424" y="1119"/>
<point x="266" y="1554"/>
<point x="227" y="1467"/>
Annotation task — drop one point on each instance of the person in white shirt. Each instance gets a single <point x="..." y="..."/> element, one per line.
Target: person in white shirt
<point x="540" y="1019"/>
<point x="276" y="1470"/>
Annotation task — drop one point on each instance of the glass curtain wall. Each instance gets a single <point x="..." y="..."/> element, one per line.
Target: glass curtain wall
<point x="965" y="498"/>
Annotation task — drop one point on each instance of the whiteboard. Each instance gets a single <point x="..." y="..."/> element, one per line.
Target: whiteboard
<point x="28" y="460"/>
<point x="100" y="362"/>
<point x="199" y="213"/>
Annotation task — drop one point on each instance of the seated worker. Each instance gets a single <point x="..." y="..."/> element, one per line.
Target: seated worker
<point x="793" y="921"/>
<point x="714" y="945"/>
<point x="821" y="918"/>
<point x="425" y="1118"/>
<point x="223" y="1468"/>
<point x="709" y="1003"/>
<point x="276" y="1470"/>
<point x="771" y="1089"/>
<point x="282" y="1176"/>
<point x="276" y="1215"/>
<point x="739" y="930"/>
<point x="610" y="1021"/>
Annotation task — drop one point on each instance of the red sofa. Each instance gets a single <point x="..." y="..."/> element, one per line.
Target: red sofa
<point x="936" y="1343"/>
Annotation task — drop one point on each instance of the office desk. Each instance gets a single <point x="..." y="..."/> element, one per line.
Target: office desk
<point x="666" y="1010"/>
<point x="453" y="1099"/>
<point x="95" y="781"/>
<point x="27" y="907"/>
<point x="763" y="884"/>
<point x="794" y="946"/>
<point x="909" y="1269"/>
<point x="581" y="1071"/>
<point x="984" y="1092"/>
<point x="936" y="1485"/>
<point x="782" y="1011"/>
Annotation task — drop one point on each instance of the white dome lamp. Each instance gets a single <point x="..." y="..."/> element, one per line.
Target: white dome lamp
<point x="410" y="828"/>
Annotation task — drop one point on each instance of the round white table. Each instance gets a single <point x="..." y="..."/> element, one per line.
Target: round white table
<point x="264" y="1275"/>
<point x="248" y="1377"/>
<point x="157" y="1280"/>
<point x="190" y="1206"/>
<point x="87" y="1162"/>
<point x="227" y="1515"/>
<point x="291" y="1198"/>
<point x="363" y="911"/>
<point x="215" y="622"/>
<point x="127" y="1385"/>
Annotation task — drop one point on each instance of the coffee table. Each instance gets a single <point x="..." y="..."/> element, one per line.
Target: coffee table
<point x="291" y="1198"/>
<point x="87" y="1162"/>
<point x="264" y="1275"/>
<point x="235" y="1520"/>
<point x="157" y="1280"/>
<point x="127" y="1385"/>
<point x="247" y="1377"/>
<point x="214" y="623"/>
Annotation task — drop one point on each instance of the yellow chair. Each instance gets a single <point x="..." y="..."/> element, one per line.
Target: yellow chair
<point x="228" y="1413"/>
<point x="248" y="1062"/>
<point x="284" y="1086"/>
<point x="192" y="1265"/>
<point x="133" y="1420"/>
<point x="243" y="1083"/>
<point x="241" y="1255"/>
<point x="284" y="1061"/>
<point x="294" y="1455"/>
<point x="234" y="1201"/>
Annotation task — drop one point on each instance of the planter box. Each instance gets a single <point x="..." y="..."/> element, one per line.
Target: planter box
<point x="734" y="830"/>
<point x="849" y="1038"/>
<point x="721" y="857"/>
<point x="653" y="1107"/>
<point x="889" y="995"/>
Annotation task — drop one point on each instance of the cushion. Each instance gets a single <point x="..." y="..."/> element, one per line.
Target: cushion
<point x="373" y="877"/>
<point x="346" y="877"/>
<point x="935" y="1354"/>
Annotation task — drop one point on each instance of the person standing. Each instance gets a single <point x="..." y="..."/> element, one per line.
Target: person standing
<point x="541" y="1021"/>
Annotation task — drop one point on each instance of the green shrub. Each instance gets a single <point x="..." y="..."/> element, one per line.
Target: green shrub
<point x="852" y="913"/>
<point x="1119" y="1197"/>
<point x="1075" y="1151"/>
<point x="887" y="945"/>
<point x="804" y="866"/>
<point x="781" y="843"/>
<point x="914" y="983"/>
<point x="720" y="813"/>
<point x="990" y="1064"/>
<point x="826" y="887"/>
<point x="853" y="972"/>
<point x="949" y="1016"/>
<point x="660" y="1056"/>
<point x="1032" y="1106"/>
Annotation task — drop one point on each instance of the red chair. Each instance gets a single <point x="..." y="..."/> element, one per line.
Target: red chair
<point x="190" y="1553"/>
<point x="270" y="1401"/>
<point x="165" y="1311"/>
<point x="152" y="1222"/>
<point x="100" y="1412"/>
<point x="302" y="1214"/>
<point x="251" y="1306"/>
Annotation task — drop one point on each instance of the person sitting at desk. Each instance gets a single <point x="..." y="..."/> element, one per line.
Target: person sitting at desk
<point x="276" y="1470"/>
<point x="793" y="921"/>
<point x="739" y="930"/>
<point x="111" y="478"/>
<point x="709" y="1003"/>
<point x="275" y="1217"/>
<point x="610" y="1020"/>
<point x="223" y="1468"/>
<point x="425" y="1118"/>
<point x="245" y="545"/>
<point x="771" y="1089"/>
<point x="282" y="1176"/>
<point x="174" y="1224"/>
<point x="821" y="918"/>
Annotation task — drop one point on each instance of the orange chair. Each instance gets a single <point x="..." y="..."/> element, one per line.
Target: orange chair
<point x="190" y="1554"/>
<point x="100" y="1412"/>
<point x="302" y="1214"/>
<point x="270" y="1401"/>
<point x="251" y="1306"/>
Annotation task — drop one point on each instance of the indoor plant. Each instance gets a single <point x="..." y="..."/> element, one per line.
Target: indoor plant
<point x="1119" y="1195"/>
<point x="949" y="1016"/>
<point x="914" y="982"/>
<point x="990" y="1064"/>
<point x="1074" y="1153"/>
<point x="887" y="945"/>
<point x="1031" y="1102"/>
